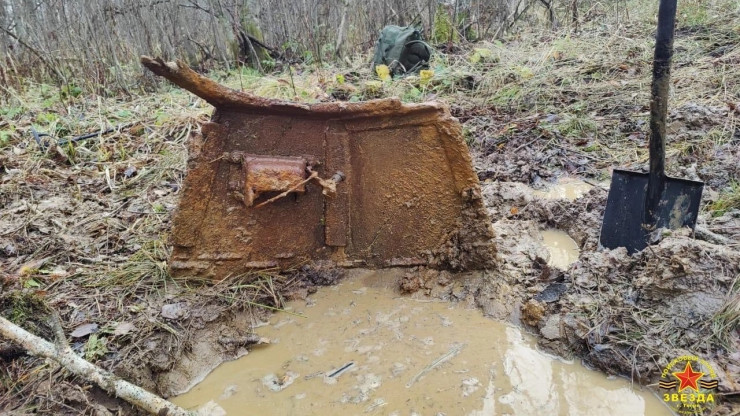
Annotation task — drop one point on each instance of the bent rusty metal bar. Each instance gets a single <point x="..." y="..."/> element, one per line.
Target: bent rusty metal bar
<point x="402" y="188"/>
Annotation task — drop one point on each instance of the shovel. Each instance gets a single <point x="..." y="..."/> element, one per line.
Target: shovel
<point x="640" y="203"/>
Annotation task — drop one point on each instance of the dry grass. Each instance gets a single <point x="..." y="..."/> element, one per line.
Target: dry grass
<point x="726" y="322"/>
<point x="84" y="230"/>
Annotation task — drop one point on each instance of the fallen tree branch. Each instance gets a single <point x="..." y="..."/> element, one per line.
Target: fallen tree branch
<point x="78" y="366"/>
<point x="243" y="341"/>
<point x="273" y="51"/>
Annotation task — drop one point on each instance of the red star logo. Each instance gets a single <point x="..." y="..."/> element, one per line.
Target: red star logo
<point x="688" y="378"/>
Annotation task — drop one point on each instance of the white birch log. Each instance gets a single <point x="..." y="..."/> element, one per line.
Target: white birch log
<point x="109" y="382"/>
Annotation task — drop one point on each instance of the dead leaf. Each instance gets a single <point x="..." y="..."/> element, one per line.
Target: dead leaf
<point x="69" y="239"/>
<point x="84" y="330"/>
<point x="58" y="273"/>
<point x="31" y="267"/>
<point x="130" y="171"/>
<point x="175" y="310"/>
<point x="123" y="328"/>
<point x="734" y="107"/>
<point x="514" y="210"/>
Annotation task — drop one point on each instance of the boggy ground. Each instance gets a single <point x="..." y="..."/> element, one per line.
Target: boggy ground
<point x="625" y="315"/>
<point x="83" y="227"/>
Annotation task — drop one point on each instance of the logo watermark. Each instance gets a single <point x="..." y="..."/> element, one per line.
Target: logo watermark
<point x="688" y="384"/>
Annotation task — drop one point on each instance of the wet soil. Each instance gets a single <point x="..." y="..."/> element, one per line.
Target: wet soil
<point x="622" y="314"/>
<point x="625" y="315"/>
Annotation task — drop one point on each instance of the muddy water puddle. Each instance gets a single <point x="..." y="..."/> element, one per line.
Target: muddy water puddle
<point x="363" y="349"/>
<point x="565" y="188"/>
<point x="562" y="248"/>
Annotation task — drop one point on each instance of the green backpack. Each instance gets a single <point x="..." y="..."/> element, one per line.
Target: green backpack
<point x="402" y="50"/>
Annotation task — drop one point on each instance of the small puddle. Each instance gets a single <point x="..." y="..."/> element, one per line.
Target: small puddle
<point x="563" y="250"/>
<point x="364" y="349"/>
<point x="565" y="188"/>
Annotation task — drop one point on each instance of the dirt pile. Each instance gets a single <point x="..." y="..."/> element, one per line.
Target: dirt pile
<point x="642" y="311"/>
<point x="629" y="315"/>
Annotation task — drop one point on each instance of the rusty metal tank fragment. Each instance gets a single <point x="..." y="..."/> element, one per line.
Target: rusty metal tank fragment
<point x="275" y="184"/>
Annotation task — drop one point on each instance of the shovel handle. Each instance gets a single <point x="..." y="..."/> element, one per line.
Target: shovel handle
<point x="659" y="101"/>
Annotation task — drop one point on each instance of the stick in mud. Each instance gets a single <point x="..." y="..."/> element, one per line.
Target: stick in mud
<point x="109" y="382"/>
<point x="448" y="355"/>
<point x="342" y="369"/>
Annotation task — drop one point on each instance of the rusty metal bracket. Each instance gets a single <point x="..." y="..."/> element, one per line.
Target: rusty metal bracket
<point x="329" y="186"/>
<point x="272" y="174"/>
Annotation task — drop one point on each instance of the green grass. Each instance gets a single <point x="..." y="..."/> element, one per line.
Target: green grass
<point x="26" y="309"/>
<point x="729" y="199"/>
<point x="146" y="269"/>
<point x="578" y="126"/>
<point x="693" y="13"/>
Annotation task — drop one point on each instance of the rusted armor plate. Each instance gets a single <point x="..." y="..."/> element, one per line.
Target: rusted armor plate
<point x="279" y="184"/>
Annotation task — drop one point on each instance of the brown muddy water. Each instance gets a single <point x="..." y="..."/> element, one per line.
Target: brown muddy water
<point x="563" y="249"/>
<point x="565" y="188"/>
<point x="361" y="348"/>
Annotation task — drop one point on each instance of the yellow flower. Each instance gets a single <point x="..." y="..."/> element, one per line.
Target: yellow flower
<point x="425" y="75"/>
<point x="383" y="72"/>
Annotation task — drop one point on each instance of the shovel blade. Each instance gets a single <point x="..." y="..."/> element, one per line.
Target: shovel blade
<point x="625" y="215"/>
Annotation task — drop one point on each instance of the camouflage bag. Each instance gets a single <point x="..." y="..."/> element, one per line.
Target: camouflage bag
<point x="402" y="50"/>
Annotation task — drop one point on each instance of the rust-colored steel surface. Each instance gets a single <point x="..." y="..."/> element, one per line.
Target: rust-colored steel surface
<point x="278" y="184"/>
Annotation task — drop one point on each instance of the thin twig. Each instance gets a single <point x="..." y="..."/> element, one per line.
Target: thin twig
<point x="314" y="175"/>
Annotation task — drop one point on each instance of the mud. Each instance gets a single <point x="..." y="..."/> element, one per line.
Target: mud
<point x="668" y="296"/>
<point x="371" y="351"/>
<point x="171" y="365"/>
<point x="667" y="299"/>
<point x="564" y="188"/>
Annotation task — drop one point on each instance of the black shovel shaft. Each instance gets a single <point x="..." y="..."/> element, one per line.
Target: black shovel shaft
<point x="659" y="103"/>
<point x="632" y="214"/>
